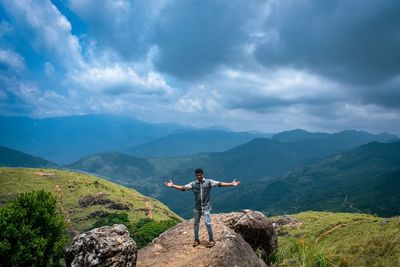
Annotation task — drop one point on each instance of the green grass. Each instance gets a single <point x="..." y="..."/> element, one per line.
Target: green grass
<point x="69" y="187"/>
<point x="339" y="239"/>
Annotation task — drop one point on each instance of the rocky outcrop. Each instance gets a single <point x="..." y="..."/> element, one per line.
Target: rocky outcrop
<point x="255" y="229"/>
<point x="100" y="199"/>
<point x="118" y="206"/>
<point x="238" y="235"/>
<point x="93" y="200"/>
<point x="104" y="246"/>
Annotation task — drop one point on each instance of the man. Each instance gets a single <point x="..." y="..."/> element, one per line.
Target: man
<point x="201" y="188"/>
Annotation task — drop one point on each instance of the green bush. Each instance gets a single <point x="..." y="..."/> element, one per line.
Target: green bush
<point x="143" y="231"/>
<point x="113" y="218"/>
<point x="32" y="231"/>
<point x="150" y="230"/>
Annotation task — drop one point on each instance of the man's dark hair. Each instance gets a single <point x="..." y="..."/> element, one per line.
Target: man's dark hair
<point x="198" y="171"/>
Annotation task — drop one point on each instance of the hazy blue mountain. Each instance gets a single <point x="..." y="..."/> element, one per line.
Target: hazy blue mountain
<point x="66" y="139"/>
<point x="366" y="179"/>
<point x="297" y="135"/>
<point x="343" y="139"/>
<point x="352" y="138"/>
<point x="13" y="158"/>
<point x="193" y="142"/>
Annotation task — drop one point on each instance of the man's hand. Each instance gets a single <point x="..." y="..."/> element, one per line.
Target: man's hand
<point x="235" y="183"/>
<point x="169" y="184"/>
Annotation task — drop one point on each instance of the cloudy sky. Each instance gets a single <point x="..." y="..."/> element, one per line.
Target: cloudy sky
<point x="247" y="65"/>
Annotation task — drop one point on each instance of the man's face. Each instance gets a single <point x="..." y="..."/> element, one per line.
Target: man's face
<point x="199" y="176"/>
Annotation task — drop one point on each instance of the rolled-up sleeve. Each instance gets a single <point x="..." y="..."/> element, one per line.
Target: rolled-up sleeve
<point x="215" y="183"/>
<point x="188" y="186"/>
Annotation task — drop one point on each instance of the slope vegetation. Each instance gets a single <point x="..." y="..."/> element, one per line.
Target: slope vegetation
<point x="83" y="199"/>
<point x="337" y="239"/>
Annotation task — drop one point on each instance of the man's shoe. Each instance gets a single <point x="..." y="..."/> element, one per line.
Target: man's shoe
<point x="196" y="243"/>
<point x="210" y="243"/>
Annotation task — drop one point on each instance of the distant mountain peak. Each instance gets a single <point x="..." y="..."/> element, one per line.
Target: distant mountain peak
<point x="296" y="135"/>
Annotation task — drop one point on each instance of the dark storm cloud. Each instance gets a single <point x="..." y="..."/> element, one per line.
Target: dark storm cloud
<point x="192" y="37"/>
<point x="123" y="26"/>
<point x="354" y="41"/>
<point x="386" y="94"/>
<point x="196" y="36"/>
<point x="265" y="104"/>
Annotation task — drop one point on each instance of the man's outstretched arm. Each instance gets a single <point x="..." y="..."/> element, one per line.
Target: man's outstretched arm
<point x="233" y="183"/>
<point x="172" y="185"/>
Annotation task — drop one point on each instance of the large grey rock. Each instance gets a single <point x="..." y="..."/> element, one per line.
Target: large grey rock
<point x="255" y="228"/>
<point x="238" y="235"/>
<point x="104" y="246"/>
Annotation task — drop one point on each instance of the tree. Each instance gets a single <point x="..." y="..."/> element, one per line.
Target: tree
<point x="32" y="231"/>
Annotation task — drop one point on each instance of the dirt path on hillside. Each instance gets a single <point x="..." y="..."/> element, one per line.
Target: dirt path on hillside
<point x="329" y="231"/>
<point x="149" y="208"/>
<point x="58" y="190"/>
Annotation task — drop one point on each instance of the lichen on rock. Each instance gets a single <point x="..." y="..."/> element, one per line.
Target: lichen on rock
<point x="103" y="247"/>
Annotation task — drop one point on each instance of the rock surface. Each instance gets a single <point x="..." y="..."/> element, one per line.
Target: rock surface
<point x="231" y="231"/>
<point x="104" y="246"/>
<point x="254" y="227"/>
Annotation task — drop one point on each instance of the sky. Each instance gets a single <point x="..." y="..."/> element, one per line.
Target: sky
<point x="247" y="65"/>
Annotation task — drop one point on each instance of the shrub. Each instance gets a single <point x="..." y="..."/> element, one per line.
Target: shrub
<point x="32" y="231"/>
<point x="113" y="218"/>
<point x="143" y="231"/>
<point x="150" y="230"/>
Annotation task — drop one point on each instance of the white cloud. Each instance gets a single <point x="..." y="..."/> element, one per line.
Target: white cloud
<point x="265" y="88"/>
<point x="12" y="59"/>
<point x="50" y="29"/>
<point x="120" y="79"/>
<point x="49" y="69"/>
<point x="123" y="26"/>
<point x="198" y="99"/>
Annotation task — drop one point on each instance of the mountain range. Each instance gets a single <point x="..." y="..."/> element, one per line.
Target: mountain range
<point x="192" y="142"/>
<point x="66" y="139"/>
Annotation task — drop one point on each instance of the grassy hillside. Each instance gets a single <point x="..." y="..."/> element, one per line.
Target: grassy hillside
<point x="84" y="199"/>
<point x="339" y="239"/>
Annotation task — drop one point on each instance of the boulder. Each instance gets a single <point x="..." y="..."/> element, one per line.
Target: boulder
<point x="238" y="235"/>
<point x="255" y="228"/>
<point x="104" y="246"/>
